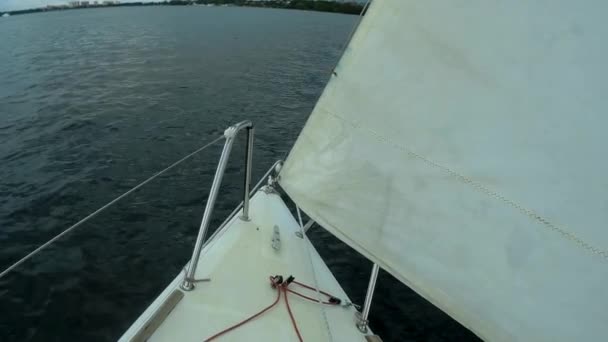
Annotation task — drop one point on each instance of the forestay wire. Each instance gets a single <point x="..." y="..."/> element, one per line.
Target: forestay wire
<point x="332" y="70"/>
<point x="109" y="204"/>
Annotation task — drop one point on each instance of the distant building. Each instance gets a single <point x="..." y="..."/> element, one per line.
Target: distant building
<point x="95" y="3"/>
<point x="74" y="3"/>
<point x="84" y="3"/>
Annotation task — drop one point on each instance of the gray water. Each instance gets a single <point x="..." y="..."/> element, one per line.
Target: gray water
<point x="94" y="101"/>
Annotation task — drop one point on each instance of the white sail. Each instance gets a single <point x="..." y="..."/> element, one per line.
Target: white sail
<point x="461" y="146"/>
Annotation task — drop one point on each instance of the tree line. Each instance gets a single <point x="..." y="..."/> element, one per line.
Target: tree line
<point x="310" y="5"/>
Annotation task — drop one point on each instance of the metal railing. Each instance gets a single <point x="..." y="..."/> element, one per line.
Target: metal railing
<point x="362" y="321"/>
<point x="362" y="317"/>
<point x="230" y="135"/>
<point x="106" y="206"/>
<point x="240" y="206"/>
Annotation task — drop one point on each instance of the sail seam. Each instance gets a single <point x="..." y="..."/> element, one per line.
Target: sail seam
<point x="480" y="187"/>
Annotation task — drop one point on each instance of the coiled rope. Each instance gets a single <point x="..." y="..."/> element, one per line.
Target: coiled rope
<point x="109" y="204"/>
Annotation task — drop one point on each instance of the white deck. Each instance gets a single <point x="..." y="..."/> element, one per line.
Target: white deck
<point x="239" y="261"/>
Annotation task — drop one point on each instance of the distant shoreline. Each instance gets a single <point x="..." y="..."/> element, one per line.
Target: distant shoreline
<point x="310" y="5"/>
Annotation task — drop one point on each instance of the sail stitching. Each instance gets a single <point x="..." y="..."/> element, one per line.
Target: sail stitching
<point x="528" y="212"/>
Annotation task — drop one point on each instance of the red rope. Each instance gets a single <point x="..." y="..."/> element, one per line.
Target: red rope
<point x="250" y="317"/>
<point x="293" y="320"/>
<point x="310" y="298"/>
<point x="281" y="287"/>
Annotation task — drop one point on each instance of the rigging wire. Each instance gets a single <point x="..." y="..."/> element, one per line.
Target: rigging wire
<point x="332" y="71"/>
<point x="351" y="34"/>
<point x="314" y="273"/>
<point x="93" y="214"/>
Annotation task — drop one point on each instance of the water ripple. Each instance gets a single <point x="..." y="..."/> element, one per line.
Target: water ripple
<point x="94" y="101"/>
